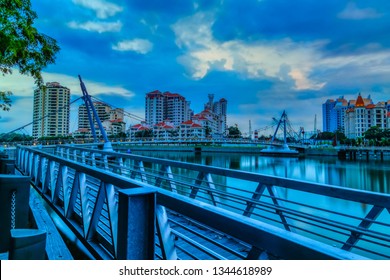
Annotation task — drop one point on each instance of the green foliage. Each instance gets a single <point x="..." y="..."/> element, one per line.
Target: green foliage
<point x="5" y="100"/>
<point x="325" y="135"/>
<point x="234" y="132"/>
<point x="14" y="137"/>
<point x="377" y="136"/>
<point x="21" y="45"/>
<point x="144" y="134"/>
<point x="55" y="138"/>
<point x="373" y="133"/>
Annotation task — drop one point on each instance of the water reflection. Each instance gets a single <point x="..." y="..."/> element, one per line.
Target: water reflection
<point x="363" y="175"/>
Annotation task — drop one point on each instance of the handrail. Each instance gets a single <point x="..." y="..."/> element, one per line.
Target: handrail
<point x="353" y="234"/>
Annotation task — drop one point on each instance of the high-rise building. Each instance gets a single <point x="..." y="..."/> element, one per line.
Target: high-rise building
<point x="219" y="109"/>
<point x="326" y="114"/>
<point x="175" y="108"/>
<point x="166" y="106"/>
<point x="363" y="115"/>
<point x="111" y="119"/>
<point x="154" y="107"/>
<point x="356" y="116"/>
<point x="334" y="111"/>
<point x="51" y="111"/>
<point x="102" y="110"/>
<point x="337" y="114"/>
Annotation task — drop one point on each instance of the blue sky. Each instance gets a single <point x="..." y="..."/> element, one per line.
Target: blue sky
<point x="263" y="56"/>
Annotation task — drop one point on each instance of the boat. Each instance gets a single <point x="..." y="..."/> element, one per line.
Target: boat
<point x="276" y="149"/>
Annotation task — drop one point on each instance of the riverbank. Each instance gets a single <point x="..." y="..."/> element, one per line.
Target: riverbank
<point x="250" y="149"/>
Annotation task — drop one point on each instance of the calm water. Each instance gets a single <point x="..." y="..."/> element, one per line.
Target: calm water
<point x="373" y="175"/>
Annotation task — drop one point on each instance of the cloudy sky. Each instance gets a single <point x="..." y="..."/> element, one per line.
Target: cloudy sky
<point x="263" y="56"/>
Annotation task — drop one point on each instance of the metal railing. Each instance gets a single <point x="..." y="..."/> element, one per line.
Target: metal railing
<point x="243" y="210"/>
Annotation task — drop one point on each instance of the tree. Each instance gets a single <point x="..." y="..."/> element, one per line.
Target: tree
<point x="148" y="133"/>
<point x="325" y="135"/>
<point x="234" y="132"/>
<point x="21" y="45"/>
<point x="5" y="100"/>
<point x="373" y="133"/>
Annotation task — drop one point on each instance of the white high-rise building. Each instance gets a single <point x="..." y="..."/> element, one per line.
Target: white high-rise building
<point x="102" y="110"/>
<point x="51" y="111"/>
<point x="111" y="119"/>
<point x="219" y="109"/>
<point x="154" y="107"/>
<point x="175" y="107"/>
<point x="168" y="106"/>
<point x="363" y="114"/>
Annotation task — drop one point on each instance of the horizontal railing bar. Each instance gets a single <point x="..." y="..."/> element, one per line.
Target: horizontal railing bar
<point x="249" y="230"/>
<point x="178" y="246"/>
<point x="382" y="200"/>
<point x="229" y="250"/>
<point x="197" y="245"/>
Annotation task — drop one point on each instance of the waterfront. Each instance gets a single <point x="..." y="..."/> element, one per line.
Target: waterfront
<point x="373" y="175"/>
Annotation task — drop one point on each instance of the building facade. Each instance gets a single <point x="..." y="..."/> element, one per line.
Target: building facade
<point x="166" y="106"/>
<point x="169" y="115"/>
<point x="216" y="113"/>
<point x="175" y="108"/>
<point x="154" y="107"/>
<point x="356" y="116"/>
<point x="51" y="111"/>
<point x="111" y="119"/>
<point x="337" y="114"/>
<point x="326" y="114"/>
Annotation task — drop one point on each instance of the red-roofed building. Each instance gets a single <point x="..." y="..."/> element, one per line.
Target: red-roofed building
<point x="363" y="114"/>
<point x="135" y="130"/>
<point x="161" y="106"/>
<point x="191" y="130"/>
<point x="165" y="130"/>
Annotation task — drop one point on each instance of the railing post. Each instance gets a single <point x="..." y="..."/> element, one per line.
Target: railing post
<point x="136" y="224"/>
<point x="14" y="206"/>
<point x="7" y="166"/>
<point x="28" y="244"/>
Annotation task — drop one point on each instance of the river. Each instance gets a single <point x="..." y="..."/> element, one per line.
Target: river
<point x="373" y="175"/>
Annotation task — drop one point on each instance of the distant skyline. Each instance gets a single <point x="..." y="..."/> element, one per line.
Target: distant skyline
<point x="263" y="56"/>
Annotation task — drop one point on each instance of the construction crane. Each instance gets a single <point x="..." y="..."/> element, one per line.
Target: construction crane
<point x="92" y="111"/>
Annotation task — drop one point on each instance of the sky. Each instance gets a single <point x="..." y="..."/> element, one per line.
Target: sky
<point x="263" y="56"/>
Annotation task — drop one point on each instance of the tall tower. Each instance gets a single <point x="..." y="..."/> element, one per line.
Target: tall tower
<point x="211" y="101"/>
<point x="220" y="109"/>
<point x="154" y="107"/>
<point x="166" y="106"/>
<point x="51" y="111"/>
<point x="175" y="108"/>
<point x="250" y="129"/>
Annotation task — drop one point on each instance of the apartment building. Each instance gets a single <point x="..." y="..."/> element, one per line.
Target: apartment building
<point x="111" y="119"/>
<point x="154" y="107"/>
<point x="359" y="118"/>
<point x="354" y="117"/>
<point x="166" y="106"/>
<point x="51" y="111"/>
